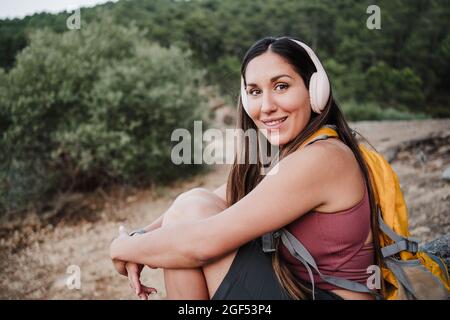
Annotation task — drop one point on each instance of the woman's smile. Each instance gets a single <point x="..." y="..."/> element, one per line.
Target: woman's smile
<point x="274" y="122"/>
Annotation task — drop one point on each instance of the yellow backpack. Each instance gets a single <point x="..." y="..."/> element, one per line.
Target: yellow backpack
<point x="407" y="272"/>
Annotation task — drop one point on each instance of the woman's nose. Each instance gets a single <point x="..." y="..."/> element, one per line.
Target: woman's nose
<point x="267" y="104"/>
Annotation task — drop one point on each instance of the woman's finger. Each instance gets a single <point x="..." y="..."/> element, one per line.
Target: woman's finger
<point x="148" y="290"/>
<point x="130" y="278"/>
<point x="130" y="281"/>
<point x="134" y="278"/>
<point x="122" y="231"/>
<point x="143" y="296"/>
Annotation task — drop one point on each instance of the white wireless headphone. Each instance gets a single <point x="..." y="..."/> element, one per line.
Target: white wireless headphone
<point x="319" y="85"/>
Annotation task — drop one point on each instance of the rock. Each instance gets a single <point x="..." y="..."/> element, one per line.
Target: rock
<point x="131" y="199"/>
<point x="446" y="174"/>
<point x="391" y="154"/>
<point x="436" y="164"/>
<point x="421" y="157"/>
<point x="60" y="283"/>
<point x="420" y="230"/>
<point x="440" y="247"/>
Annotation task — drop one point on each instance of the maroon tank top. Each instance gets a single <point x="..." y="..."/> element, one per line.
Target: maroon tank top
<point x="336" y="241"/>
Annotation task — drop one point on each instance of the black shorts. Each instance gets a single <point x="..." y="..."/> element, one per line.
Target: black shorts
<point x="252" y="277"/>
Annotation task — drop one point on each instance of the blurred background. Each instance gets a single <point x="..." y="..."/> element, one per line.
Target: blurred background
<point x="89" y="99"/>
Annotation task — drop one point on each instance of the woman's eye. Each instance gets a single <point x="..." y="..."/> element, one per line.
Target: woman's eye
<point x="282" y="86"/>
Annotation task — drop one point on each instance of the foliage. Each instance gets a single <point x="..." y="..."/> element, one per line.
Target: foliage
<point x="412" y="46"/>
<point x="91" y="107"/>
<point x="96" y="106"/>
<point x="369" y="111"/>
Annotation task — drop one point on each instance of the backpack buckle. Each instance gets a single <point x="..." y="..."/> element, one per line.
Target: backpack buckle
<point x="268" y="241"/>
<point x="412" y="245"/>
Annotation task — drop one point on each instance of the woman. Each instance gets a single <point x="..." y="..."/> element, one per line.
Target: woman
<point x="209" y="242"/>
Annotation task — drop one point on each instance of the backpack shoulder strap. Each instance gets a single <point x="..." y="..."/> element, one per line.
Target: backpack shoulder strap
<point x="297" y="250"/>
<point x="327" y="131"/>
<point x="401" y="243"/>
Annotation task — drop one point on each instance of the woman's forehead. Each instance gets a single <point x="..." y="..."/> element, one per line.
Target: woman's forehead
<point x="267" y="66"/>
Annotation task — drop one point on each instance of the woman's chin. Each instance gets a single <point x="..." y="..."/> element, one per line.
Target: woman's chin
<point x="276" y="139"/>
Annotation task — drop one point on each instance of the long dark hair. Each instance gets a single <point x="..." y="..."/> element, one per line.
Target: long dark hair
<point x="244" y="177"/>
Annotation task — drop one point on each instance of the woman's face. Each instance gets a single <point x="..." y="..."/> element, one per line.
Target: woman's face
<point x="278" y="99"/>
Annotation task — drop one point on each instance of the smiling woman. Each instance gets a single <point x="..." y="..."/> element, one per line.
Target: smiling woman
<point x="280" y="102"/>
<point x="217" y="244"/>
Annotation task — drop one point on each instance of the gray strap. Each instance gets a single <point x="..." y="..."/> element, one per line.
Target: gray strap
<point x="401" y="243"/>
<point x="310" y="273"/>
<point x="268" y="242"/>
<point x="405" y="244"/>
<point x="321" y="137"/>
<point x="137" y="231"/>
<point x="296" y="248"/>
<point x="386" y="229"/>
<point x="440" y="263"/>
<point x="399" y="275"/>
<point x="331" y="126"/>
<point x="299" y="256"/>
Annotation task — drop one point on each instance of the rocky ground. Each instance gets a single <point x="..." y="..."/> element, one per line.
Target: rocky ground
<point x="36" y="252"/>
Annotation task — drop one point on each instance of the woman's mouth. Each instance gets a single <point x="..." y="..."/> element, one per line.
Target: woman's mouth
<point x="274" y="123"/>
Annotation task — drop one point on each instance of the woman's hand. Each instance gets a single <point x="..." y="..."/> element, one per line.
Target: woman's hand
<point x="120" y="265"/>
<point x="132" y="271"/>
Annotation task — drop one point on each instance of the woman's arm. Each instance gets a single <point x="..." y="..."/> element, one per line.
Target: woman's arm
<point x="155" y="224"/>
<point x="302" y="183"/>
<point x="222" y="192"/>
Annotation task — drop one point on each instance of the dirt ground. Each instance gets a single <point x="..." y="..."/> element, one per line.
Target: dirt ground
<point x="35" y="257"/>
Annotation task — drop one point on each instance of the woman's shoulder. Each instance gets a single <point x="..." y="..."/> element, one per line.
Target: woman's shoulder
<point x="328" y="162"/>
<point x="333" y="152"/>
<point x="339" y="173"/>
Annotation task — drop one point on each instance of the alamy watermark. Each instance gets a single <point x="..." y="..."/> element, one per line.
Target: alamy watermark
<point x="374" y="20"/>
<point x="374" y="281"/>
<point x="73" y="281"/>
<point x="233" y="145"/>
<point x="73" y="22"/>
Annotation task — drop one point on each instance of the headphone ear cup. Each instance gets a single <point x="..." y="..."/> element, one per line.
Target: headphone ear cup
<point x="324" y="90"/>
<point x="319" y="85"/>
<point x="312" y="92"/>
<point x="319" y="91"/>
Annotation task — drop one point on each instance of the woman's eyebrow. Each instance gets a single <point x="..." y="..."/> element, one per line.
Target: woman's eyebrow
<point x="271" y="80"/>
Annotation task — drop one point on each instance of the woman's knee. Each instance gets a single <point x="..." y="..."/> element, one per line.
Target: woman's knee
<point x="199" y="197"/>
<point x="197" y="203"/>
<point x="193" y="193"/>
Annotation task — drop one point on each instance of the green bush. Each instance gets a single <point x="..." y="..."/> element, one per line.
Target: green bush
<point x="370" y="111"/>
<point x="94" y="106"/>
<point x="438" y="111"/>
<point x="4" y="118"/>
<point x="393" y="88"/>
<point x="226" y="72"/>
<point x="347" y="82"/>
